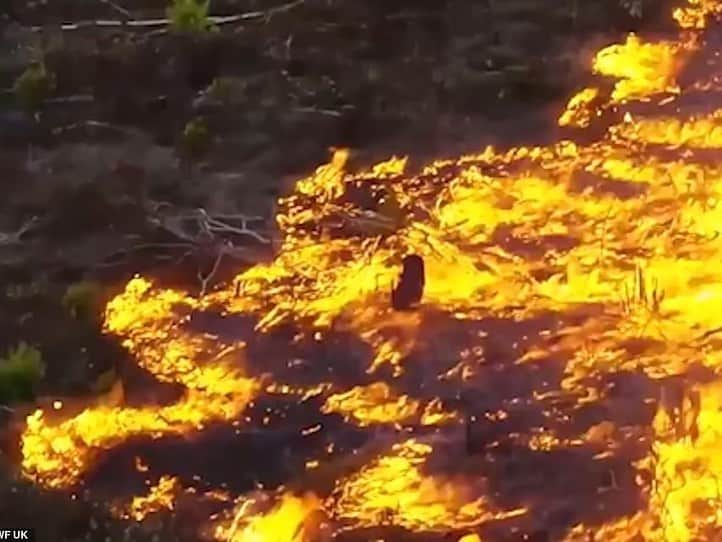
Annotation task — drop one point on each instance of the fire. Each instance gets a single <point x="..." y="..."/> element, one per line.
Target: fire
<point x="613" y="244"/>
<point x="687" y="468"/>
<point x="579" y="111"/>
<point x="643" y="69"/>
<point x="160" y="496"/>
<point x="695" y="15"/>
<point x="289" y="520"/>
<point x="684" y="500"/>
<point x="704" y="132"/>
<point x="58" y="454"/>
<point x="393" y="490"/>
<point x="377" y="403"/>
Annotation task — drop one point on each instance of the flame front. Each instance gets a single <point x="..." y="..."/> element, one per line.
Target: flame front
<point x="58" y="454"/>
<point x="393" y="490"/>
<point x="687" y="469"/>
<point x="377" y="403"/>
<point x="287" y="521"/>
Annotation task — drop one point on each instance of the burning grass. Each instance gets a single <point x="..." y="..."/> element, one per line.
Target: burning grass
<point x="393" y="490"/>
<point x="549" y="273"/>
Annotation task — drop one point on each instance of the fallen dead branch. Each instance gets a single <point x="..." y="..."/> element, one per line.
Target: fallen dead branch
<point x="116" y="7"/>
<point x="210" y="236"/>
<point x="198" y="226"/>
<point x="326" y="112"/>
<point x="205" y="279"/>
<point x="14" y="238"/>
<point x="97" y="125"/>
<point x="197" y="231"/>
<point x="76" y="98"/>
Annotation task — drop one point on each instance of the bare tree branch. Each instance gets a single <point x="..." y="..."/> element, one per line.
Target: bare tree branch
<point x="117" y="8"/>
<point x="207" y="278"/>
<point x="212" y="225"/>
<point x="14" y="238"/>
<point x="265" y="15"/>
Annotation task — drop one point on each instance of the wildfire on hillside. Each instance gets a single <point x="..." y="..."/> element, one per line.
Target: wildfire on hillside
<point x="559" y="375"/>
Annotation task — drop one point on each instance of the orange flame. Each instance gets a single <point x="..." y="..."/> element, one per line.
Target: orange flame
<point x="287" y="521"/>
<point x="161" y="496"/>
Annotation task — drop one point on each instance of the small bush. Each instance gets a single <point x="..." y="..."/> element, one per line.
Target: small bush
<point x="20" y="371"/>
<point x="228" y="90"/>
<point x="82" y="300"/>
<point x="33" y="87"/>
<point x="190" y="16"/>
<point x="196" y="139"/>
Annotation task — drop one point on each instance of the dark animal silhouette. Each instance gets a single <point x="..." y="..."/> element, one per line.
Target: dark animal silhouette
<point x="410" y="288"/>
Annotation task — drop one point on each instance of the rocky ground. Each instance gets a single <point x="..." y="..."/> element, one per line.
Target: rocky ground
<point x="100" y="182"/>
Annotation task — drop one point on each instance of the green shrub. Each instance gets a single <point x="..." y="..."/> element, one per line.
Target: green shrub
<point x="33" y="87"/>
<point x="228" y="90"/>
<point x="20" y="371"/>
<point x="82" y="299"/>
<point x="190" y="16"/>
<point x="196" y="139"/>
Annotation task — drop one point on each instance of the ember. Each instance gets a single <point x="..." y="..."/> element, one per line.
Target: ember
<point x="159" y="497"/>
<point x="564" y="287"/>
